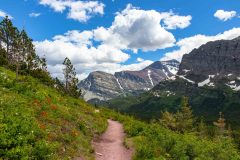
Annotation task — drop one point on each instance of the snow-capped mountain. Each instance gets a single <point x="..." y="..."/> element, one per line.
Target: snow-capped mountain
<point x="104" y="86"/>
<point x="213" y="63"/>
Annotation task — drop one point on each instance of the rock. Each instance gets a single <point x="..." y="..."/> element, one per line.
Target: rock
<point x="219" y="58"/>
<point x="101" y="86"/>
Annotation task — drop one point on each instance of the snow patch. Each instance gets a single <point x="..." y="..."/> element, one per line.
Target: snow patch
<point x="234" y="87"/>
<point x="172" y="69"/>
<point x="164" y="71"/>
<point x="232" y="82"/>
<point x="185" y="70"/>
<point x="211" y="84"/>
<point x="207" y="81"/>
<point x="187" y="79"/>
<point x="119" y="84"/>
<point x="173" y="78"/>
<point x="150" y="78"/>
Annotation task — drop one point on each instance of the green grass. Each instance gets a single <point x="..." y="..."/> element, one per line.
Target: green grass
<point x="36" y="122"/>
<point x="151" y="141"/>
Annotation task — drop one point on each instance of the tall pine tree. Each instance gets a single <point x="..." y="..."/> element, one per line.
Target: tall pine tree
<point x="184" y="117"/>
<point x="70" y="78"/>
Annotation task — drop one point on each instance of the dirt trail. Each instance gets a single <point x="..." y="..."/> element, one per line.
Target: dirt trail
<point x="110" y="144"/>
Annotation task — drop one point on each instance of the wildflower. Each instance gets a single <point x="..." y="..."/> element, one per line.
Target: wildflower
<point x="42" y="126"/>
<point x="43" y="113"/>
<point x="54" y="107"/>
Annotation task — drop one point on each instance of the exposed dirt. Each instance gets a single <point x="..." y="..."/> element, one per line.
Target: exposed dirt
<point x="110" y="145"/>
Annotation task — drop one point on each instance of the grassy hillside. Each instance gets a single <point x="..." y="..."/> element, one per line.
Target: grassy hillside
<point x="37" y="122"/>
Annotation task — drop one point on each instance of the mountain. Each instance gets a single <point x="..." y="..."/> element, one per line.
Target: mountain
<point x="101" y="86"/>
<point x="209" y="76"/>
<point x="213" y="62"/>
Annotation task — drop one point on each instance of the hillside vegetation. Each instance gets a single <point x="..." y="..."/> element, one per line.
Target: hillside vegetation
<point x="37" y="122"/>
<point x="155" y="142"/>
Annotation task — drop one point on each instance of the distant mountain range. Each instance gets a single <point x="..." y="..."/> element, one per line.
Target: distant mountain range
<point x="209" y="76"/>
<point x="101" y="86"/>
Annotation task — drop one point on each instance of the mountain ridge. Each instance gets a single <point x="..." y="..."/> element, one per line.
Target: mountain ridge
<point x="102" y="86"/>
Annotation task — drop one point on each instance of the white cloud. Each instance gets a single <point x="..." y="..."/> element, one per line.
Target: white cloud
<point x="140" y="59"/>
<point x="136" y="29"/>
<point x="85" y="57"/>
<point x="186" y="45"/>
<point x="173" y="21"/>
<point x="83" y="69"/>
<point x="4" y="14"/>
<point x="34" y="14"/>
<point x="78" y="10"/>
<point x="225" y="15"/>
<point x="104" y="48"/>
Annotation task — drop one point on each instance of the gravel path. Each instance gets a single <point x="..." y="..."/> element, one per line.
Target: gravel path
<point x="110" y="145"/>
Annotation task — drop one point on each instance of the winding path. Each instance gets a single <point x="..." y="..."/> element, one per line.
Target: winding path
<point x="110" y="145"/>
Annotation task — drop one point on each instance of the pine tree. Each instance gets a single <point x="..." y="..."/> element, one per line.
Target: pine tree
<point x="202" y="129"/>
<point x="7" y="31"/>
<point x="17" y="51"/>
<point x="71" y="80"/>
<point x="168" y="120"/>
<point x="220" y="124"/>
<point x="184" y="117"/>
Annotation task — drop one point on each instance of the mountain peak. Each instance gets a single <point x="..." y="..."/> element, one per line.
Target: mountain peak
<point x="103" y="86"/>
<point x="220" y="58"/>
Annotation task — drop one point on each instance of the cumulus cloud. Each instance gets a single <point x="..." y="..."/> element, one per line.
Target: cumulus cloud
<point x="83" y="69"/>
<point x="139" y="59"/>
<point x="86" y="58"/>
<point x="225" y="15"/>
<point x="78" y="10"/>
<point x="186" y="45"/>
<point x="78" y="51"/>
<point x="173" y="21"/>
<point x="105" y="48"/>
<point x="34" y="14"/>
<point x="136" y="29"/>
<point x="4" y="14"/>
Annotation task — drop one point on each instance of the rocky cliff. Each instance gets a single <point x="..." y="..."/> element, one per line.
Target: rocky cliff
<point x="104" y="86"/>
<point x="214" y="61"/>
<point x="219" y="58"/>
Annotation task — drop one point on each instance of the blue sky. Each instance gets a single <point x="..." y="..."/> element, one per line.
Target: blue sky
<point x="175" y="36"/>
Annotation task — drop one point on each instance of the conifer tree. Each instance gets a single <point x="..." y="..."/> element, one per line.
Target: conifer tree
<point x="220" y="124"/>
<point x="202" y="129"/>
<point x="168" y="120"/>
<point x="7" y="31"/>
<point x="70" y="78"/>
<point x="184" y="117"/>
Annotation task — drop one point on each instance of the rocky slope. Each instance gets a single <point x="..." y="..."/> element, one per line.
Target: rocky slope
<point x="213" y="62"/>
<point x="104" y="86"/>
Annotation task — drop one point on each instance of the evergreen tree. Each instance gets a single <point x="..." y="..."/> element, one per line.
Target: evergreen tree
<point x="3" y="57"/>
<point x="71" y="80"/>
<point x="168" y="120"/>
<point x="7" y="33"/>
<point x="17" y="51"/>
<point x="202" y="129"/>
<point x="184" y="117"/>
<point x="220" y="124"/>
